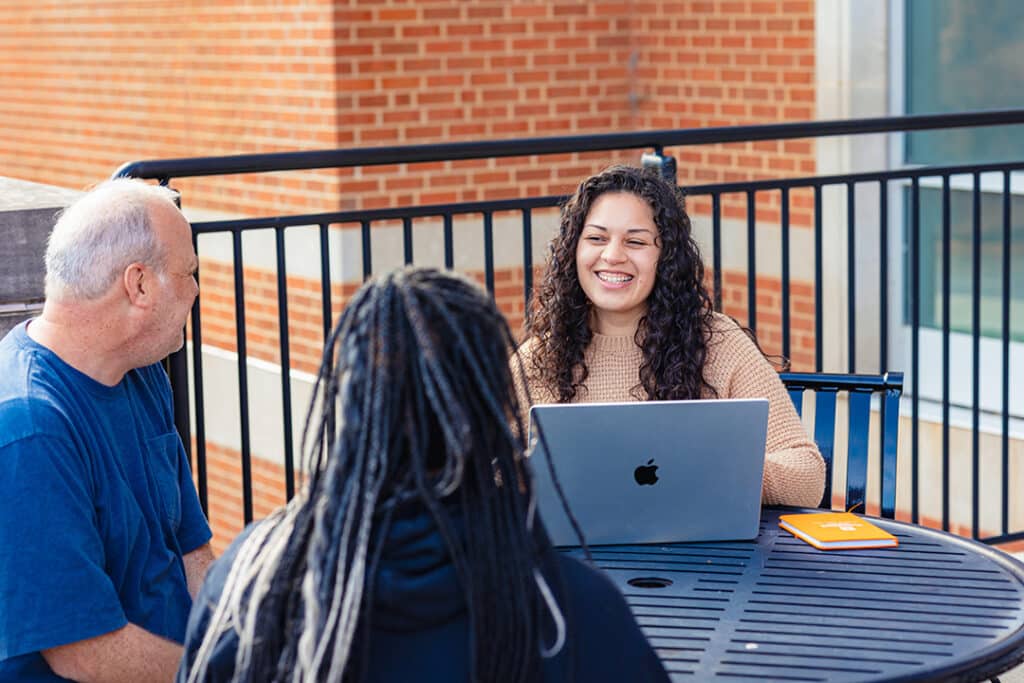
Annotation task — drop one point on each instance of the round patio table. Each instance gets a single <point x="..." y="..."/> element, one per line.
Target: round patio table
<point x="936" y="608"/>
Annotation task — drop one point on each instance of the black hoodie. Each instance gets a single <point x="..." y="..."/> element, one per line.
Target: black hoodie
<point x="420" y="627"/>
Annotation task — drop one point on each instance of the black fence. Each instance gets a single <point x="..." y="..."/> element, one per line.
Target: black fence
<point x="911" y="207"/>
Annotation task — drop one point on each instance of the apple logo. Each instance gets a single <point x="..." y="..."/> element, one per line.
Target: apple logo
<point x="646" y="475"/>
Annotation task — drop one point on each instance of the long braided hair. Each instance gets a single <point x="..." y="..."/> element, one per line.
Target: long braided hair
<point x="673" y="335"/>
<point x="413" y="403"/>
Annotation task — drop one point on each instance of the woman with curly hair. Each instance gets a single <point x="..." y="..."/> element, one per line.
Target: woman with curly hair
<point x="622" y="314"/>
<point x="415" y="552"/>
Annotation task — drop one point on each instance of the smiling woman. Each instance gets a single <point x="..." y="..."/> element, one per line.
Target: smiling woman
<point x="622" y="314"/>
<point x="617" y="261"/>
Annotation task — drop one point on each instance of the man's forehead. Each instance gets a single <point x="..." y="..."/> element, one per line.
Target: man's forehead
<point x="168" y="217"/>
<point x="172" y="230"/>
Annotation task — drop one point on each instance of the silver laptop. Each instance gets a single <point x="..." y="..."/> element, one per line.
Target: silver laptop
<point x="652" y="471"/>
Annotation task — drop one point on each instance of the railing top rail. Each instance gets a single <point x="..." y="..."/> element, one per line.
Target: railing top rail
<point x="906" y="173"/>
<point x="826" y="380"/>
<point x="527" y="203"/>
<point x="164" y="169"/>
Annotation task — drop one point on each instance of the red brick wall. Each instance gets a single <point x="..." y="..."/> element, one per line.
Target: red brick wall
<point x="87" y="85"/>
<point x="305" y="313"/>
<point x="305" y="310"/>
<point x="224" y="491"/>
<point x="769" y="324"/>
<point x="727" y="63"/>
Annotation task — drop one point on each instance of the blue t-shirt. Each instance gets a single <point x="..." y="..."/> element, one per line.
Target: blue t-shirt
<point x="97" y="507"/>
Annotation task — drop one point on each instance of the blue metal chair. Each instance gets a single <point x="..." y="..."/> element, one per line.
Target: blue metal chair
<point x="859" y="389"/>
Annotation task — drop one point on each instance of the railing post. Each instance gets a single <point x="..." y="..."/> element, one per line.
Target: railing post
<point x="177" y="370"/>
<point x="664" y="163"/>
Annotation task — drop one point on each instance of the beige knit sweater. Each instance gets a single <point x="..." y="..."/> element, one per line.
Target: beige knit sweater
<point x="794" y="473"/>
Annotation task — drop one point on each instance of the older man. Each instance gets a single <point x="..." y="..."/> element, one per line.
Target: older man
<point x="102" y="540"/>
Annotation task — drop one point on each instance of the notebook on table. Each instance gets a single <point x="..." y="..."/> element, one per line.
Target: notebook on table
<point x="652" y="471"/>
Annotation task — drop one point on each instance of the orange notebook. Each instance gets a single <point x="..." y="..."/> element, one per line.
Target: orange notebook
<point x="836" y="531"/>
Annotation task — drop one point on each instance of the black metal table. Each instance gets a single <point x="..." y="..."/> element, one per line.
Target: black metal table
<point x="938" y="607"/>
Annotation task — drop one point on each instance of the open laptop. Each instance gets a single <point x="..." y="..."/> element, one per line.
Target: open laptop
<point x="652" y="471"/>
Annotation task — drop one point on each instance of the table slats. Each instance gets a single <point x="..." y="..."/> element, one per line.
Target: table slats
<point x="777" y="609"/>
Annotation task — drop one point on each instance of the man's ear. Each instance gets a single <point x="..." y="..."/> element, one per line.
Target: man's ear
<point x="137" y="280"/>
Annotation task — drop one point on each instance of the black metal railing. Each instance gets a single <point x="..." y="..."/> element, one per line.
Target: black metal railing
<point x="901" y="186"/>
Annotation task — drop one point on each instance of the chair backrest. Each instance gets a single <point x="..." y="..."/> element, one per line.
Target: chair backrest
<point x="859" y="389"/>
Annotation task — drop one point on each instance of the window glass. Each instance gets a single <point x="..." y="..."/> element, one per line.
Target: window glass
<point x="964" y="55"/>
<point x="961" y="257"/>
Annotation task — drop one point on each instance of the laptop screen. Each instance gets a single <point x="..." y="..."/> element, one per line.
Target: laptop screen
<point x="651" y="472"/>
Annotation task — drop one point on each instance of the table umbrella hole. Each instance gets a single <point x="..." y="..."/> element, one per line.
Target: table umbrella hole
<point x="649" y="582"/>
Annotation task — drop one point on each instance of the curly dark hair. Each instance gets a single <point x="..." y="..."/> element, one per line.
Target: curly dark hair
<point x="673" y="334"/>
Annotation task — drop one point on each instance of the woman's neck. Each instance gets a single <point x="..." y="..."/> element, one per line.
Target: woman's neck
<point x="613" y="324"/>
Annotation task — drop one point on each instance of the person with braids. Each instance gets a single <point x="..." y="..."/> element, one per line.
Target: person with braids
<point x="622" y="314"/>
<point x="415" y="552"/>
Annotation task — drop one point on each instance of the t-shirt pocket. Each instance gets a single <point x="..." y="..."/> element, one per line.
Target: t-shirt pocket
<point x="162" y="458"/>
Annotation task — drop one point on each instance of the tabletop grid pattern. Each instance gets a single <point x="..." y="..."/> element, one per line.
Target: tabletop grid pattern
<point x="777" y="609"/>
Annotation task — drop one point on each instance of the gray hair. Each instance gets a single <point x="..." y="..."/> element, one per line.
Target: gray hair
<point x="100" y="235"/>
